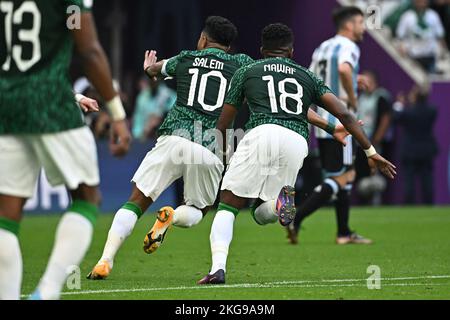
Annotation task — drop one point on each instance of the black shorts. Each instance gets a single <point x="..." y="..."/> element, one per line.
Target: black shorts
<point x="335" y="158"/>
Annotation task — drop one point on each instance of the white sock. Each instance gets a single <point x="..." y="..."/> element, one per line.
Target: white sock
<point x="72" y="240"/>
<point x="122" y="226"/>
<point x="10" y="266"/>
<point x="187" y="216"/>
<point x="220" y="238"/>
<point x="266" y="213"/>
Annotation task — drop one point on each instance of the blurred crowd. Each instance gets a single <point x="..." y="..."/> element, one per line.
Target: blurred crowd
<point x="412" y="118"/>
<point x="419" y="29"/>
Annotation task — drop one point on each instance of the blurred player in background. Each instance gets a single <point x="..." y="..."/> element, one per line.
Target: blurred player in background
<point x="279" y="93"/>
<point x="202" y="80"/>
<point x="42" y="127"/>
<point x="336" y="62"/>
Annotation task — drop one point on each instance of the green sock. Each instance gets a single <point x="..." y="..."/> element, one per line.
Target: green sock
<point x="9" y="225"/>
<point x="226" y="207"/>
<point x="133" y="207"/>
<point x="86" y="209"/>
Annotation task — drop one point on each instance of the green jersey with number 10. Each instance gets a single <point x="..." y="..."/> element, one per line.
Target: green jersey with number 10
<point x="278" y="91"/>
<point x="203" y="78"/>
<point x="35" y="54"/>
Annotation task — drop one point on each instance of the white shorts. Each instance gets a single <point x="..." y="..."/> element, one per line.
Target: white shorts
<point x="267" y="159"/>
<point x="68" y="157"/>
<point x="174" y="157"/>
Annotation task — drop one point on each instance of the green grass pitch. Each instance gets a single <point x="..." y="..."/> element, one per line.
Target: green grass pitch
<point x="412" y="249"/>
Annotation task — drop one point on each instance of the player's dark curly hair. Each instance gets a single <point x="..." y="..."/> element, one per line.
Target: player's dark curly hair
<point x="277" y="36"/>
<point x="220" y="30"/>
<point x="343" y="14"/>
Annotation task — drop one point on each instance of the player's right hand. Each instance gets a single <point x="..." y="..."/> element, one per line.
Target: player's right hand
<point x="150" y="60"/>
<point x="120" y="138"/>
<point x="378" y="162"/>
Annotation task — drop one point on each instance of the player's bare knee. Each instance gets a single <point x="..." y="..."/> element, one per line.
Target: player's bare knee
<point x="231" y="199"/>
<point x="88" y="194"/>
<point x="138" y="198"/>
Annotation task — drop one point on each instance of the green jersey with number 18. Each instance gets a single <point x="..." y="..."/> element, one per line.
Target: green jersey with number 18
<point x="278" y="91"/>
<point x="203" y="78"/>
<point x="35" y="54"/>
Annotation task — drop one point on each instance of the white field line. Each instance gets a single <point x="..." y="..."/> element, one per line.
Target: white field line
<point x="278" y="284"/>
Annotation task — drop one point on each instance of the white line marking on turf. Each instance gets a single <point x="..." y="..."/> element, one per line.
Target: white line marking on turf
<point x="278" y="284"/>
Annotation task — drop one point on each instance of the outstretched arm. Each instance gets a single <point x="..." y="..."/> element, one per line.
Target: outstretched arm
<point x="333" y="105"/>
<point x="338" y="132"/>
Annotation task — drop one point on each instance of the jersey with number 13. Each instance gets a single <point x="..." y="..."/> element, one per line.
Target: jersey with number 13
<point x="278" y="91"/>
<point x="35" y="54"/>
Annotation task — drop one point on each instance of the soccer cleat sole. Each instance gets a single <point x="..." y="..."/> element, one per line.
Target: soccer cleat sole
<point x="157" y="233"/>
<point x="286" y="211"/>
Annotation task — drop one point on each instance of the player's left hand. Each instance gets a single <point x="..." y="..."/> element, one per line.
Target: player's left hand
<point x="385" y="167"/>
<point x="340" y="133"/>
<point x="88" y="105"/>
<point x="120" y="138"/>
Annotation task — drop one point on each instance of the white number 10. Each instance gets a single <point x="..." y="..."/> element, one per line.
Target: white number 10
<point x="32" y="35"/>
<point x="202" y="89"/>
<point x="284" y="95"/>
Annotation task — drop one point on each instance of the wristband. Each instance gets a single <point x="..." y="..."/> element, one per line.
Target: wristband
<point x="370" y="152"/>
<point x="116" y="109"/>
<point x="79" y="97"/>
<point x="331" y="128"/>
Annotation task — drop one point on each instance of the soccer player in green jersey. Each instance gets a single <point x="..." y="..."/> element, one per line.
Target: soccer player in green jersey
<point x="279" y="93"/>
<point x="41" y="126"/>
<point x="186" y="137"/>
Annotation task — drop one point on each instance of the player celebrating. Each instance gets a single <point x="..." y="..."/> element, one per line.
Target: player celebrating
<point x="202" y="80"/>
<point x="336" y="62"/>
<point x="279" y="93"/>
<point x="42" y="127"/>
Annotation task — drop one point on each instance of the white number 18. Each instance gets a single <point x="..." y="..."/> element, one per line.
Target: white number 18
<point x="284" y="95"/>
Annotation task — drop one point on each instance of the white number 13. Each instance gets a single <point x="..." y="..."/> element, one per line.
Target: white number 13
<point x="284" y="95"/>
<point x="32" y="35"/>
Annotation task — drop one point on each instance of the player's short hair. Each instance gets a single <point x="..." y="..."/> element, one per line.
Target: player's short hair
<point x="342" y="15"/>
<point x="220" y="30"/>
<point x="276" y="36"/>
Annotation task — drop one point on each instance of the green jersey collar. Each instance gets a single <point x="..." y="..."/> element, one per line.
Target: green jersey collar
<point x="214" y="50"/>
